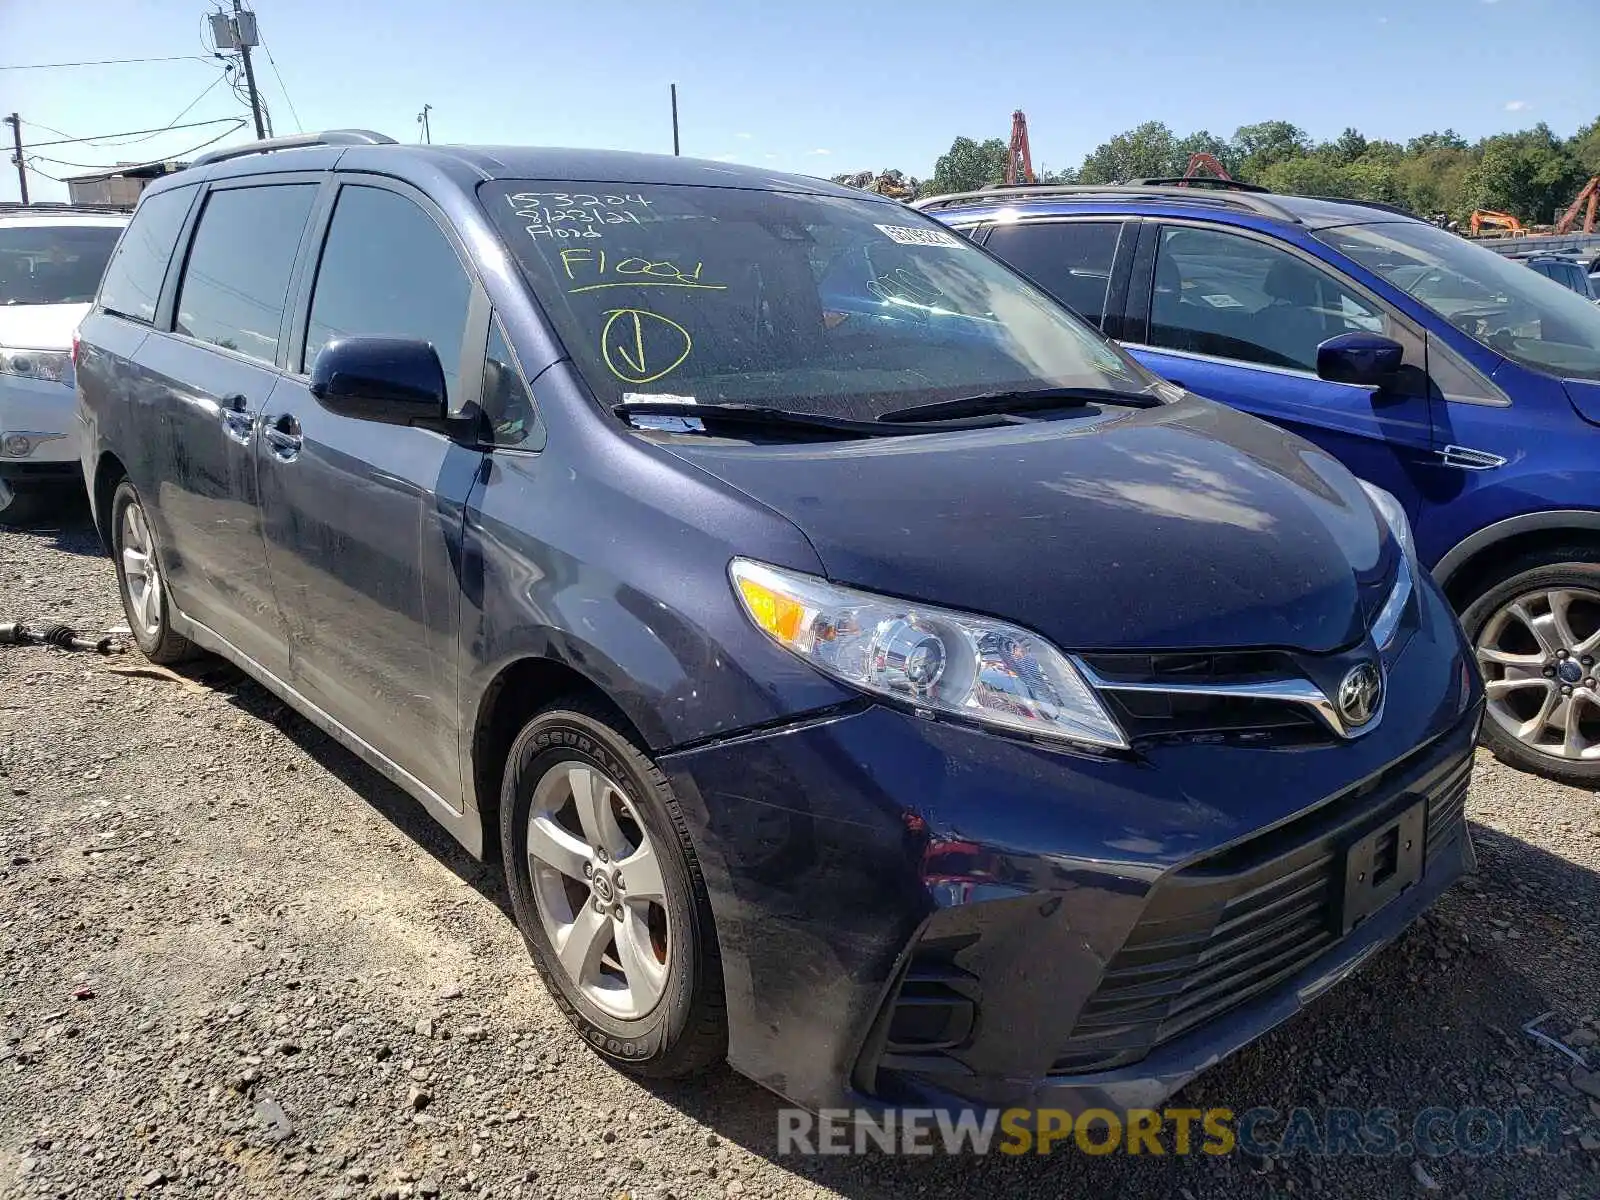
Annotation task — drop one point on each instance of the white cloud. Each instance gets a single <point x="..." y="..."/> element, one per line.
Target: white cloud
<point x="820" y="151"/>
<point x="1517" y="105"/>
<point x="724" y="158"/>
<point x="769" y="156"/>
<point x="1383" y="20"/>
<point x="744" y="137"/>
<point x="1491" y="1"/>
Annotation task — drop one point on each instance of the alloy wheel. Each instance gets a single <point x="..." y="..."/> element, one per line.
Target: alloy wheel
<point x="140" y="571"/>
<point x="599" y="889"/>
<point x="1538" y="653"/>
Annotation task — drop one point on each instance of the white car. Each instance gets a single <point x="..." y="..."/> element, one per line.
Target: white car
<point x="51" y="260"/>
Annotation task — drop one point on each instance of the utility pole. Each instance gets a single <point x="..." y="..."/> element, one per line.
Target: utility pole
<point x="237" y="31"/>
<point x="427" y="134"/>
<point x="249" y="71"/>
<point x="675" y="119"/>
<point x="16" y="140"/>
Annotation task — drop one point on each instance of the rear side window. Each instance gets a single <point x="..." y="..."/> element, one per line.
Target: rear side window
<point x="236" y="281"/>
<point x="1069" y="259"/>
<point x="133" y="280"/>
<point x="388" y="271"/>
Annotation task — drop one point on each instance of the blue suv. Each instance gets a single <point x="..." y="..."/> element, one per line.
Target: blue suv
<point x="1460" y="381"/>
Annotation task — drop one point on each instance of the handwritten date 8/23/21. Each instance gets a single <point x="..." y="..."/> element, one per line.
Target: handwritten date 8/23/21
<point x="575" y="214"/>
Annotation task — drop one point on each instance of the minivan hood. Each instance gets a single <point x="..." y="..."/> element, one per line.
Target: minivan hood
<point x="1182" y="527"/>
<point x="39" y="326"/>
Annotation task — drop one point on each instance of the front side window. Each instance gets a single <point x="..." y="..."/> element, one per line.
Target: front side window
<point x="132" y="284"/>
<point x="1069" y="259"/>
<point x="388" y="271"/>
<point x="236" y="282"/>
<point x="506" y="402"/>
<point x="813" y="303"/>
<point x="1497" y="302"/>
<point x="53" y="263"/>
<point x="1234" y="297"/>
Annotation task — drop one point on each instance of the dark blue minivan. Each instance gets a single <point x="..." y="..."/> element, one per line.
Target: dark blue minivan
<point x="1456" y="379"/>
<point x="865" y="671"/>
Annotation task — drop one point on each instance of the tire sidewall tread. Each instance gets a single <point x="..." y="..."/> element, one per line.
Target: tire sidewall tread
<point x="686" y="1031"/>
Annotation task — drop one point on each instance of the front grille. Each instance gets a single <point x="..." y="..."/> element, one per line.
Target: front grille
<point x="1148" y="714"/>
<point x="1230" y="927"/>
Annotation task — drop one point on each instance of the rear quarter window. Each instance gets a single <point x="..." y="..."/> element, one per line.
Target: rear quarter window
<point x="132" y="283"/>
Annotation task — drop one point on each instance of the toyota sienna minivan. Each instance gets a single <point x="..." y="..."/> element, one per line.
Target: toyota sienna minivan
<point x="865" y="672"/>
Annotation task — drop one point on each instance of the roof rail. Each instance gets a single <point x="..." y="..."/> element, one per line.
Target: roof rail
<point x="1381" y="205"/>
<point x="1249" y="199"/>
<point x="329" y="137"/>
<point x="1210" y="182"/>
<point x="10" y="208"/>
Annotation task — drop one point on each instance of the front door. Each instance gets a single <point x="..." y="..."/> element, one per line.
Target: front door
<point x="1239" y="319"/>
<point x="363" y="520"/>
<point x="208" y="381"/>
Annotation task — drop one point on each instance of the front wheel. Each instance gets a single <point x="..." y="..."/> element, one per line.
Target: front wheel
<point x="1536" y="634"/>
<point x="608" y="894"/>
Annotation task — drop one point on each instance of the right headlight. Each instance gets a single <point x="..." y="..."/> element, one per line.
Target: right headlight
<point x="50" y="366"/>
<point x="932" y="658"/>
<point x="1387" y="623"/>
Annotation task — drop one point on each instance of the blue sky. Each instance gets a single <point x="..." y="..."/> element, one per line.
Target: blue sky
<point x="819" y="88"/>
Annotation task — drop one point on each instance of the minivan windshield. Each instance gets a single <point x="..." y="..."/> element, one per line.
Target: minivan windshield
<point x="809" y="303"/>
<point x="1502" y="304"/>
<point x="53" y="264"/>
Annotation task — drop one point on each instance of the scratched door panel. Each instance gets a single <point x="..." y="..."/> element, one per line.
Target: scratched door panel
<point x="360" y="516"/>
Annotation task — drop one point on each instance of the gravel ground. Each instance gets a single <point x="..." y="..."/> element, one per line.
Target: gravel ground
<point x="236" y="962"/>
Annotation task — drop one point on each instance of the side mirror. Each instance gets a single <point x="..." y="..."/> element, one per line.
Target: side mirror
<point x="397" y="381"/>
<point x="1367" y="359"/>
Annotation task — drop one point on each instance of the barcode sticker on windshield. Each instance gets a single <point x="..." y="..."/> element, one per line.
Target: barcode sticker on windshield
<point x="907" y="235"/>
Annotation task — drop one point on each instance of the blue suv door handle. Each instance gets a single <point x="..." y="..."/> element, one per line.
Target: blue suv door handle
<point x="238" y="422"/>
<point x="284" y="436"/>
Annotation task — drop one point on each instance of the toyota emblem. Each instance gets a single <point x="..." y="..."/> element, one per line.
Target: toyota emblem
<point x="1360" y="694"/>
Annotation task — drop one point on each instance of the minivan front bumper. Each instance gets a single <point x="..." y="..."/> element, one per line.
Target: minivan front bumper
<point x="914" y="911"/>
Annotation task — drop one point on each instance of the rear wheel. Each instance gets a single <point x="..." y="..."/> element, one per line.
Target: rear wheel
<point x="608" y="894"/>
<point x="139" y="578"/>
<point x="1536" y="634"/>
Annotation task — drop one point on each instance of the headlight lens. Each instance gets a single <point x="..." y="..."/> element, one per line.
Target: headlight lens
<point x="1387" y="623"/>
<point x="932" y="658"/>
<point x="51" y="366"/>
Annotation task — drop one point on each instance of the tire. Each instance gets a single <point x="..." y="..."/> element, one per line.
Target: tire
<point x="1532" y="628"/>
<point x="22" y="505"/>
<point x="607" y="994"/>
<point x="150" y="620"/>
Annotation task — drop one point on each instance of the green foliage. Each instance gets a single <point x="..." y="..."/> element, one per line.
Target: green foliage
<point x="1532" y="174"/>
<point x="967" y="166"/>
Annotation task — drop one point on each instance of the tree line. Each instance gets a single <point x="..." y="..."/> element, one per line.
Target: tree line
<point x="1531" y="174"/>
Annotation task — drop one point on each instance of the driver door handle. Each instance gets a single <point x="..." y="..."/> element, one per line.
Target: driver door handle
<point x="284" y="437"/>
<point x="238" y="422"/>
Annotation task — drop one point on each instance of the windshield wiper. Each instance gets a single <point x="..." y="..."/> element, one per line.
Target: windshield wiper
<point x="756" y="416"/>
<point x="986" y="403"/>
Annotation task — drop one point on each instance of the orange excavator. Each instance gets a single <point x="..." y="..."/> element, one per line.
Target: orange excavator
<point x="1590" y="197"/>
<point x="1204" y="166"/>
<point x="1019" y="157"/>
<point x="1501" y="223"/>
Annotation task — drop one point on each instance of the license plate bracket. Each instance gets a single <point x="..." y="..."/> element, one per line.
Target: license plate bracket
<point x="1381" y="864"/>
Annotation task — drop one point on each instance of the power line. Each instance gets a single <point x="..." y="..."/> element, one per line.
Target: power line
<point x="100" y="62"/>
<point x="273" y="63"/>
<point x="238" y="124"/>
<point x="130" y="133"/>
<point x="183" y="112"/>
